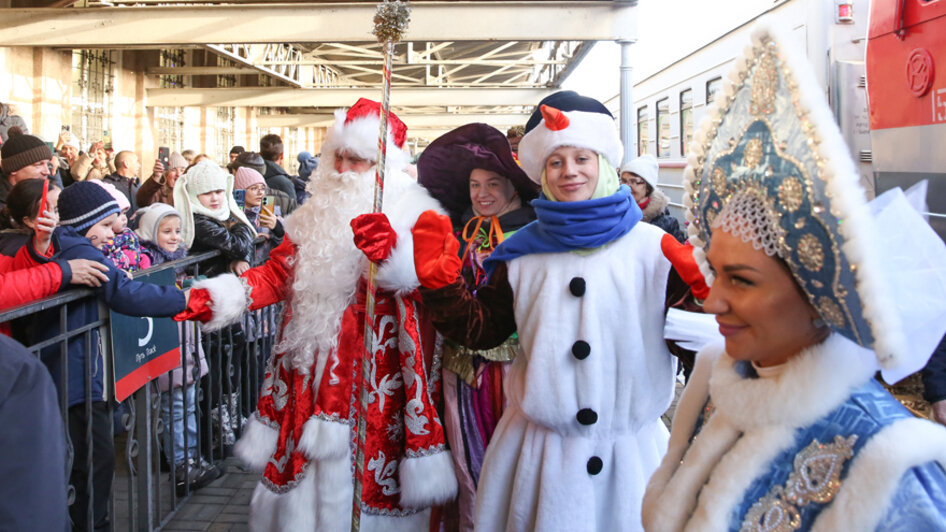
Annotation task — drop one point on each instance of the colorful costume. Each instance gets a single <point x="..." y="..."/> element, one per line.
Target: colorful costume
<point x="814" y="443"/>
<point x="302" y="435"/>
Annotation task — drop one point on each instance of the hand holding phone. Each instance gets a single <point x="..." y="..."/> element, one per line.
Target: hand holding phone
<point x="164" y="155"/>
<point x="267" y="205"/>
<point x="240" y="197"/>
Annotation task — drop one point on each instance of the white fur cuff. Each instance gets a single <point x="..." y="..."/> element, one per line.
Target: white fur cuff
<point x="427" y="480"/>
<point x="325" y="438"/>
<point x="228" y="300"/>
<point x="257" y="444"/>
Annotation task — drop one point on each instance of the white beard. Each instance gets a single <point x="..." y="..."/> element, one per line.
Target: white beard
<point x="326" y="267"/>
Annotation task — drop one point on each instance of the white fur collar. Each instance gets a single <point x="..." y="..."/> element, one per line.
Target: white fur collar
<point x="813" y="383"/>
<point x="658" y="202"/>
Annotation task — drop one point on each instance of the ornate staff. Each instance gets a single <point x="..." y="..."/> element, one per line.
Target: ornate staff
<point x="390" y="23"/>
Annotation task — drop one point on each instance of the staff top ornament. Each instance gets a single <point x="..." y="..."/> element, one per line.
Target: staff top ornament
<point x="391" y="20"/>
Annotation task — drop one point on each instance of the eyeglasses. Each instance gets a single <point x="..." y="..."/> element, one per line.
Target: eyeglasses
<point x="635" y="181"/>
<point x="256" y="188"/>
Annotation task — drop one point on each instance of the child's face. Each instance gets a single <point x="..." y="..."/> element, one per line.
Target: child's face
<point x="213" y="200"/>
<point x="120" y="223"/>
<point x="169" y="234"/>
<point x="100" y="233"/>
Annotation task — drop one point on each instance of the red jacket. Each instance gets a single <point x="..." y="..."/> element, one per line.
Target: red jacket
<point x="25" y="281"/>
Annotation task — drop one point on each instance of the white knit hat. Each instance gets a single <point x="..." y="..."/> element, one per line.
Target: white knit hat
<point x="205" y="176"/>
<point x="646" y="167"/>
<point x="150" y="219"/>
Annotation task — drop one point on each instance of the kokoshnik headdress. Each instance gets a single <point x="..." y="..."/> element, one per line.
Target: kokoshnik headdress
<point x="769" y="164"/>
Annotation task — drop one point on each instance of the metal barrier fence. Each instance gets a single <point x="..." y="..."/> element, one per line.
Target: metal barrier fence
<point x="143" y="437"/>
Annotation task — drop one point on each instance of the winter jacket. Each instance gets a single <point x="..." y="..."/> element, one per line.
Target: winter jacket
<point x="233" y="239"/>
<point x="934" y="375"/>
<point x="154" y="190"/>
<point x="127" y="186"/>
<point x="278" y="179"/>
<point x="266" y="240"/>
<point x="77" y="171"/>
<point x="657" y="213"/>
<point x="33" y="442"/>
<point x="24" y="280"/>
<point x="126" y="253"/>
<point x="8" y="120"/>
<point x="120" y="294"/>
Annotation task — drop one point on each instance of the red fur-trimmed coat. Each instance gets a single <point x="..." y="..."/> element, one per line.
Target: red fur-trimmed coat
<point x="302" y="436"/>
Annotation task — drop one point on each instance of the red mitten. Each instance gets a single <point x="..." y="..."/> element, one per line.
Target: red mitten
<point x="436" y="250"/>
<point x="198" y="307"/>
<point x="374" y="236"/>
<point x="681" y="257"/>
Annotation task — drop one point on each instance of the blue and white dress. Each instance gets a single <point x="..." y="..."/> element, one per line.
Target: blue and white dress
<point x="820" y="445"/>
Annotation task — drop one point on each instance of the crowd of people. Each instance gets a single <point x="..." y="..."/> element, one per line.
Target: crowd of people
<point x="514" y="291"/>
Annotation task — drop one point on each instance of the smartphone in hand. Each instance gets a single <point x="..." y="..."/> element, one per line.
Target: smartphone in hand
<point x="240" y="197"/>
<point x="267" y="206"/>
<point x="164" y="155"/>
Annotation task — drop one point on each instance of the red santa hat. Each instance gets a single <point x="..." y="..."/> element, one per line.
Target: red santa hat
<point x="356" y="131"/>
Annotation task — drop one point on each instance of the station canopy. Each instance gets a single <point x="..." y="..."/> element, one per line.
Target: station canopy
<point x="461" y="61"/>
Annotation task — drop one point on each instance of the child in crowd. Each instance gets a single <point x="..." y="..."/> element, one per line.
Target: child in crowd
<point x="19" y="215"/>
<point x="124" y="249"/>
<point x="87" y="214"/>
<point x="159" y="227"/>
<point x="265" y="221"/>
<point x="212" y="220"/>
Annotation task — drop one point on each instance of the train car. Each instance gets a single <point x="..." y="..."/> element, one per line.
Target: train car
<point x="671" y="100"/>
<point x="907" y="96"/>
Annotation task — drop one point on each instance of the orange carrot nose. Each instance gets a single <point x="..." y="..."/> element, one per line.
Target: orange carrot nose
<point x="555" y="120"/>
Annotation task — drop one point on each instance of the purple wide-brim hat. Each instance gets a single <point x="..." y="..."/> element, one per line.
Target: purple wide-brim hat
<point x="445" y="165"/>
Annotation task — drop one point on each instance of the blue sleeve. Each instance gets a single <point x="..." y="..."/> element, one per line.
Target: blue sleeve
<point x="134" y="298"/>
<point x="919" y="503"/>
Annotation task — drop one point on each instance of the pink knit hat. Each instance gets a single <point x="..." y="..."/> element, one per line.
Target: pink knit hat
<point x="246" y="177"/>
<point x="123" y="203"/>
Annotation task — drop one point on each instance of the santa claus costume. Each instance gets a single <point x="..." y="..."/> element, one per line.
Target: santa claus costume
<point x="302" y="436"/>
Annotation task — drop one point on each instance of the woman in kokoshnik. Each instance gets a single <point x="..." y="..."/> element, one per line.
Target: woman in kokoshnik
<point x="587" y="287"/>
<point x="472" y="173"/>
<point x="785" y="426"/>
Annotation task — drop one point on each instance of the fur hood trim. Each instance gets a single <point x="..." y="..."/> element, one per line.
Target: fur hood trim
<point x="813" y="383"/>
<point x="658" y="202"/>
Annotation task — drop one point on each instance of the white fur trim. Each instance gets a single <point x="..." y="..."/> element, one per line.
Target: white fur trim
<point x="876" y="471"/>
<point x="408" y="201"/>
<point x="256" y="446"/>
<point x="325" y="439"/>
<point x="594" y="131"/>
<point x="813" y="383"/>
<point x="418" y="522"/>
<point x="286" y="512"/>
<point x="229" y="300"/>
<point x="427" y="480"/>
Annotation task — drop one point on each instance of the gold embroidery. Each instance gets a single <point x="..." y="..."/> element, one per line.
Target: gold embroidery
<point x="815" y="477"/>
<point x="719" y="181"/>
<point x="764" y="85"/>
<point x="752" y="156"/>
<point x="830" y="311"/>
<point x="790" y="194"/>
<point x="810" y="253"/>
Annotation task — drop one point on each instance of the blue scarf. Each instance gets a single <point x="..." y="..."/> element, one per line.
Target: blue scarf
<point x="570" y="226"/>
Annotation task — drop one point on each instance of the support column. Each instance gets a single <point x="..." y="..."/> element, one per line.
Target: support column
<point x="628" y="132"/>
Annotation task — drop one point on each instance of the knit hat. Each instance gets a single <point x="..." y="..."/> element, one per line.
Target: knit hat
<point x="246" y="177"/>
<point x="249" y="158"/>
<point x="72" y="140"/>
<point x="84" y="204"/>
<point x="176" y="160"/>
<point x="204" y="177"/>
<point x="151" y="217"/>
<point x="568" y="119"/>
<point x="646" y="167"/>
<point x="307" y="164"/>
<point x="356" y="131"/>
<point x="20" y="151"/>
<point x="119" y="198"/>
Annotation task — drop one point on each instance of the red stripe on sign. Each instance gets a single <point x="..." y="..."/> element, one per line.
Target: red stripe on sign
<point x="159" y="365"/>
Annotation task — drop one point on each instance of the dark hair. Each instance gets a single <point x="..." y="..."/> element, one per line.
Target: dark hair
<point x="270" y="147"/>
<point x="249" y="159"/>
<point x="237" y="150"/>
<point x="23" y="202"/>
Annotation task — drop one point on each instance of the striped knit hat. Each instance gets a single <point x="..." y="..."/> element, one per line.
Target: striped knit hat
<point x="20" y="151"/>
<point x="84" y="204"/>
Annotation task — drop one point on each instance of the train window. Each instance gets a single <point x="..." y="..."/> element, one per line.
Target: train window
<point x="643" y="140"/>
<point x="663" y="128"/>
<point x="712" y="86"/>
<point x="686" y="120"/>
